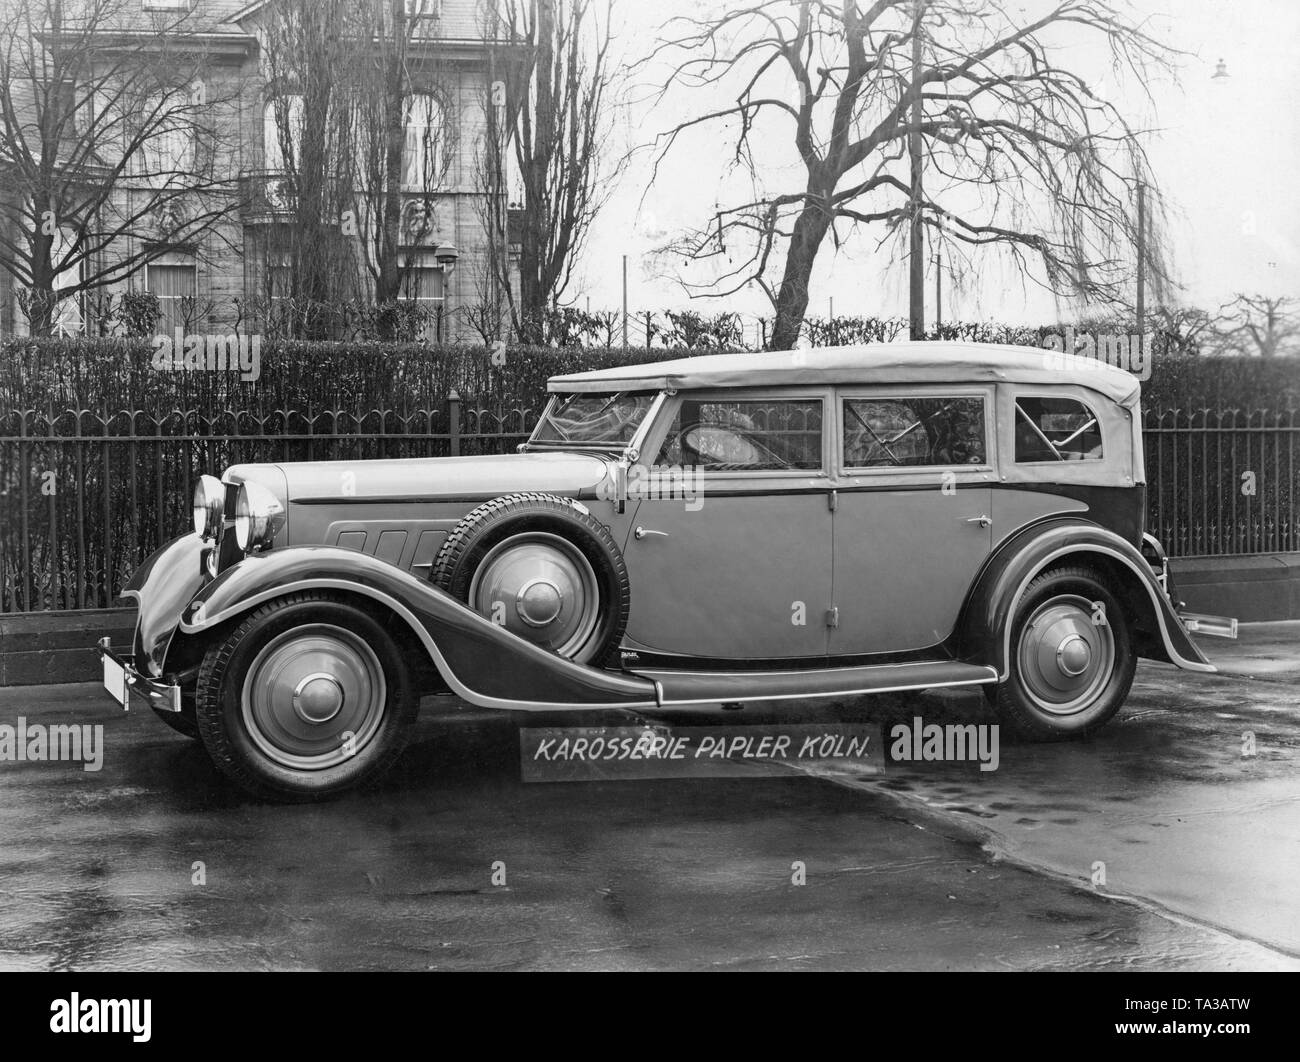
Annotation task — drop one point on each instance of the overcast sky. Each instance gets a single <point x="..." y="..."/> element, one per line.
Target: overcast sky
<point x="1227" y="158"/>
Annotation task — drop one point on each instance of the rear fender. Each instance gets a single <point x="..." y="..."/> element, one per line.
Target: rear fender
<point x="481" y="662"/>
<point x="985" y="623"/>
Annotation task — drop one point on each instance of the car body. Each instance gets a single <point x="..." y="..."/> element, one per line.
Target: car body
<point x="711" y="531"/>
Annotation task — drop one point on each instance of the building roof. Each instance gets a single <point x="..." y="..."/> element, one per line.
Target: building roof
<point x="870" y="363"/>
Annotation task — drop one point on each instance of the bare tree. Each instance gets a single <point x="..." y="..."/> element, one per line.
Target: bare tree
<point x="404" y="139"/>
<point x="1184" y="329"/>
<point x="365" y="138"/>
<point x="1022" y="155"/>
<point x="552" y="59"/>
<point x="307" y="47"/>
<point x="1264" y="325"/>
<point x="108" y="151"/>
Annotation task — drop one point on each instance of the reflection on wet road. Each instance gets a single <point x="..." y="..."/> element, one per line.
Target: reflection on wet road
<point x="154" y="862"/>
<point x="1190" y="799"/>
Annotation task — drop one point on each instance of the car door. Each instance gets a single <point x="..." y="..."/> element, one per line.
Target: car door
<point x="730" y="553"/>
<point x="912" y="523"/>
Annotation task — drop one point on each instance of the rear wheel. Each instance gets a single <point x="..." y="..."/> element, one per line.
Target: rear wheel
<point x="307" y="697"/>
<point x="1072" y="661"/>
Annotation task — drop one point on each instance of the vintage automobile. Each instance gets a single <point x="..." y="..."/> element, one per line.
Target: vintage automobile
<point x="687" y="535"/>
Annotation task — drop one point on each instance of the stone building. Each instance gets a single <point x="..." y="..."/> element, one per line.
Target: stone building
<point x="235" y="273"/>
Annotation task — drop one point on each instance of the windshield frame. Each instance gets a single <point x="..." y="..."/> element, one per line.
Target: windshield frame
<point x="632" y="448"/>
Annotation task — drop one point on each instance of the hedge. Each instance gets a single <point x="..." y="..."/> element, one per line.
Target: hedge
<point x="118" y="374"/>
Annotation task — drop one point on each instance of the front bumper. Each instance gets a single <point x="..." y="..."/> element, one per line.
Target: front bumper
<point x="121" y="679"/>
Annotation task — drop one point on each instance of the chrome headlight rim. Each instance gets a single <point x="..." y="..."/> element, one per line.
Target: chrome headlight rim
<point x="258" y="517"/>
<point x="209" y="507"/>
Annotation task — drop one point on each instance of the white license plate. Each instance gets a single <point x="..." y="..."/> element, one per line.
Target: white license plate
<point x="115" y="681"/>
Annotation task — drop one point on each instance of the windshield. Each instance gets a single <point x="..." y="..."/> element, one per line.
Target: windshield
<point x="592" y="419"/>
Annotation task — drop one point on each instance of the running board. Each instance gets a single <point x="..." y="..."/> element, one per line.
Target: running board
<point x="676" y="687"/>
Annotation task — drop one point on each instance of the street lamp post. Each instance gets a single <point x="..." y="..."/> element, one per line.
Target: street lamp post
<point x="916" y="294"/>
<point x="1141" y="258"/>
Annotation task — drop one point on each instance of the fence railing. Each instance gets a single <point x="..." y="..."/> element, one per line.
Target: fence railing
<point x="1222" y="482"/>
<point x="86" y="495"/>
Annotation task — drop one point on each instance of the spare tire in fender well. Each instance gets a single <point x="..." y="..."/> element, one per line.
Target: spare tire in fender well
<point x="543" y="567"/>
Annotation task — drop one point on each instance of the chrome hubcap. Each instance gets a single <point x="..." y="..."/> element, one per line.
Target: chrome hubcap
<point x="541" y="587"/>
<point x="313" y="697"/>
<point x="539" y="602"/>
<point x="318" y="698"/>
<point x="1072" y="655"/>
<point x="1065" y="659"/>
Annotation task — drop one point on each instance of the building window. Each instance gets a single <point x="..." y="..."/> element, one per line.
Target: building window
<point x="425" y="13"/>
<point x="424" y="158"/>
<point x="168" y="5"/>
<point x="425" y="285"/>
<point x="282" y="121"/>
<point x="173" y="278"/>
<point x="168" y="153"/>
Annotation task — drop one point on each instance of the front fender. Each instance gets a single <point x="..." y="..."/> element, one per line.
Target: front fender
<point x="162" y="588"/>
<point x="986" y="619"/>
<point x="481" y="662"/>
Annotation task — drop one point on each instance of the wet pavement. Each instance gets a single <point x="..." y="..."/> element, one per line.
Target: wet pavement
<point x="154" y="862"/>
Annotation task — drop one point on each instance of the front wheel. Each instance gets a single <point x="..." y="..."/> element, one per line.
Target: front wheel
<point x="307" y="697"/>
<point x="1071" y="662"/>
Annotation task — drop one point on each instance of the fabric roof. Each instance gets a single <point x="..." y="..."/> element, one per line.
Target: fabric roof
<point x="871" y="363"/>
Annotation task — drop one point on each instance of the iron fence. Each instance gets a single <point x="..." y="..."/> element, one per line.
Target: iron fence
<point x="87" y="495"/>
<point x="1222" y="482"/>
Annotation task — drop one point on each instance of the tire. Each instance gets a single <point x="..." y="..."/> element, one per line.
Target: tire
<point x="544" y="568"/>
<point x="1072" y="660"/>
<point x="307" y="697"/>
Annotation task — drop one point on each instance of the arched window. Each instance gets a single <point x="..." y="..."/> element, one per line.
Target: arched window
<point x="282" y="124"/>
<point x="167" y="151"/>
<point x="424" y="159"/>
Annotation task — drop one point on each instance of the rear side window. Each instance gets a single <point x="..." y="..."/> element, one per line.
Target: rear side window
<point x="763" y="435"/>
<point x="1056" y="429"/>
<point x="913" y="432"/>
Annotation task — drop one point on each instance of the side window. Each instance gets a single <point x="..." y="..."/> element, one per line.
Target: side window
<point x="913" y="432"/>
<point x="746" y="436"/>
<point x="1056" y="429"/>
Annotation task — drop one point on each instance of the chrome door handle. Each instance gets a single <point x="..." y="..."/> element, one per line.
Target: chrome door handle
<point x="641" y="533"/>
<point x="983" y="521"/>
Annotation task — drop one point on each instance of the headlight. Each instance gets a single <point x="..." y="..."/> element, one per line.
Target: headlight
<point x="258" y="516"/>
<point x="209" y="506"/>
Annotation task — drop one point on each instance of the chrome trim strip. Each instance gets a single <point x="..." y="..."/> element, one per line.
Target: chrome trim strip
<point x="991" y="676"/>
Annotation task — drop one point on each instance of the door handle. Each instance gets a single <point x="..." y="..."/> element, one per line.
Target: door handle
<point x="641" y="533"/>
<point x="983" y="521"/>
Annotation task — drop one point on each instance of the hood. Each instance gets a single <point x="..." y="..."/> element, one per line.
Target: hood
<point x="429" y="478"/>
